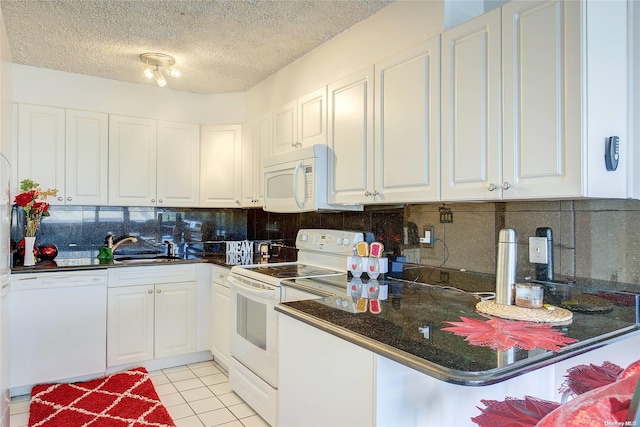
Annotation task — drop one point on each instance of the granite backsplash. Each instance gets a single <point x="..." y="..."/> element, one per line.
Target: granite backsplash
<point x="593" y="239"/>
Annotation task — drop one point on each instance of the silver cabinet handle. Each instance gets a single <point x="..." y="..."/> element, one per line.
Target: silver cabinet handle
<point x="150" y="291"/>
<point x="506" y="185"/>
<point x="60" y="198"/>
<point x="69" y="198"/>
<point x="159" y="200"/>
<point x="375" y="193"/>
<point x="492" y="187"/>
<point x="153" y="200"/>
<point x="159" y="291"/>
<point x="367" y="193"/>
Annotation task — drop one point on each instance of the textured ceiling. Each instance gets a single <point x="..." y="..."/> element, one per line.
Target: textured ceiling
<point x="219" y="46"/>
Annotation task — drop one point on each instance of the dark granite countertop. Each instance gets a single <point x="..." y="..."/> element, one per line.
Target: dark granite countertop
<point x="396" y="332"/>
<point x="87" y="260"/>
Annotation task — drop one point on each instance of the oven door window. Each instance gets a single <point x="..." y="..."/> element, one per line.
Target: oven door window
<point x="252" y="321"/>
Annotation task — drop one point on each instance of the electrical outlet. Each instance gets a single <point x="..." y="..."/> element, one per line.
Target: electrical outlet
<point x="538" y="250"/>
<point x="429" y="237"/>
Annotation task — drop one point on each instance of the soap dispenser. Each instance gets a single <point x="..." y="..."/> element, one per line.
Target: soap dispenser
<point x="506" y="266"/>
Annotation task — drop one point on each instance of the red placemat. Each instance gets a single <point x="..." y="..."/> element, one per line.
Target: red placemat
<point x="501" y="334"/>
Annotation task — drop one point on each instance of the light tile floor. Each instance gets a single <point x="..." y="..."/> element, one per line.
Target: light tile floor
<point x="196" y="395"/>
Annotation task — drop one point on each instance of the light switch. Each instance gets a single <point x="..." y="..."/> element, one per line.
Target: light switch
<point x="538" y="250"/>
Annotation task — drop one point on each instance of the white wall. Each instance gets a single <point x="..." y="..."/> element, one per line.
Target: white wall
<point x="6" y="109"/>
<point x="56" y="88"/>
<point x="396" y="27"/>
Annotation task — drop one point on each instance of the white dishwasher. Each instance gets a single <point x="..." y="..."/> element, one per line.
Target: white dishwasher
<point x="57" y="328"/>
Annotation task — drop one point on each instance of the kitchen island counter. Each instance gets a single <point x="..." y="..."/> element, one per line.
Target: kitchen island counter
<point x="409" y="330"/>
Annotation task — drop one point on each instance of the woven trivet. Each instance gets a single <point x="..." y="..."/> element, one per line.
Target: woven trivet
<point x="558" y="315"/>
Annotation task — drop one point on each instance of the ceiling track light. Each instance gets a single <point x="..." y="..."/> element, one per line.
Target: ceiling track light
<point x="155" y="62"/>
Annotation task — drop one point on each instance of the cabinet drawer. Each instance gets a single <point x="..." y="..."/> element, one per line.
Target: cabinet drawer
<point x="128" y="276"/>
<point x="219" y="275"/>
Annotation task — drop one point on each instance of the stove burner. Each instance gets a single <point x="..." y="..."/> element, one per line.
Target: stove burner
<point x="289" y="271"/>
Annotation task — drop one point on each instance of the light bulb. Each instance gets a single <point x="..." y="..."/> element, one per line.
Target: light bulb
<point x="174" y="72"/>
<point x="157" y="75"/>
<point x="148" y="72"/>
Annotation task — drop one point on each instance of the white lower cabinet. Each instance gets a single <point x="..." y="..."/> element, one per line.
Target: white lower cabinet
<point x="151" y="313"/>
<point x="323" y="380"/>
<point x="220" y="315"/>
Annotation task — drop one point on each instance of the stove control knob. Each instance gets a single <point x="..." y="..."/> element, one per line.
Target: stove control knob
<point x="346" y="241"/>
<point x="339" y="240"/>
<point x="345" y="303"/>
<point x="338" y="301"/>
<point x="304" y="237"/>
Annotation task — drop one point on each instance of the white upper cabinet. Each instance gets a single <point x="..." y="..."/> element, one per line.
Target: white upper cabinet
<point x="256" y="141"/>
<point x="471" y="109"/>
<point x="301" y="123"/>
<point x="565" y="90"/>
<point x="407" y="126"/>
<point x="64" y="149"/>
<point x="41" y="136"/>
<point x="132" y="161"/>
<point x="178" y="164"/>
<point x="86" y="158"/>
<point x="563" y="93"/>
<point x="220" y="166"/>
<point x="152" y="163"/>
<point x="350" y="125"/>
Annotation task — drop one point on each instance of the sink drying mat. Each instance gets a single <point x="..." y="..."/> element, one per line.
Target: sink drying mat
<point x="558" y="315"/>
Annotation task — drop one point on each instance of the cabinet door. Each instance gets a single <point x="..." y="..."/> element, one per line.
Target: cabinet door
<point x="471" y="162"/>
<point x="41" y="137"/>
<point x="130" y="324"/>
<point x="541" y="126"/>
<point x="350" y="162"/>
<point x="256" y="140"/>
<point x="178" y="164"/>
<point x="132" y="161"/>
<point x="285" y="128"/>
<point x="249" y="146"/>
<point x="220" y="166"/>
<point x="407" y="139"/>
<point x="220" y="330"/>
<point x="312" y="118"/>
<point x="175" y="319"/>
<point x="305" y="364"/>
<point x="87" y="154"/>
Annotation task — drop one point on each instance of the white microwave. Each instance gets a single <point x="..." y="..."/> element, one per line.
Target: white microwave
<point x="296" y="181"/>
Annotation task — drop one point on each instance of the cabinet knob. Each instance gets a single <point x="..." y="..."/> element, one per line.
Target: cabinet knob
<point x="153" y="200"/>
<point x="375" y="193"/>
<point x="60" y="198"/>
<point x="159" y="291"/>
<point x="492" y="187"/>
<point x="159" y="200"/>
<point x="506" y="185"/>
<point x="69" y="198"/>
<point x="150" y="291"/>
<point x="367" y="193"/>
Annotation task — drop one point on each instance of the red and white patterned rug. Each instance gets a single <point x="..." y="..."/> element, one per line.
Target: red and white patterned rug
<point x="126" y="399"/>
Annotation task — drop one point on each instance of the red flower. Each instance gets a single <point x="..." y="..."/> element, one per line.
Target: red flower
<point x="40" y="207"/>
<point x="23" y="199"/>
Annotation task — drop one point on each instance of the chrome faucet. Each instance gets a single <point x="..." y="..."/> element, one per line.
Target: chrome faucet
<point x="114" y="246"/>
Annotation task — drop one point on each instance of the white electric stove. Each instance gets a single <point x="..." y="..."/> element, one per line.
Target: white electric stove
<point x="255" y="291"/>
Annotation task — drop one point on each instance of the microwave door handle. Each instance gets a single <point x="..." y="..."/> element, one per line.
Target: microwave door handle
<point x="295" y="184"/>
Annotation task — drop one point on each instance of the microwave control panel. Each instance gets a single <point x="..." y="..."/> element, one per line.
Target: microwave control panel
<point x="308" y="182"/>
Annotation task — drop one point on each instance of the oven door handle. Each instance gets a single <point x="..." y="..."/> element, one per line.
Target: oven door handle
<point x="248" y="289"/>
